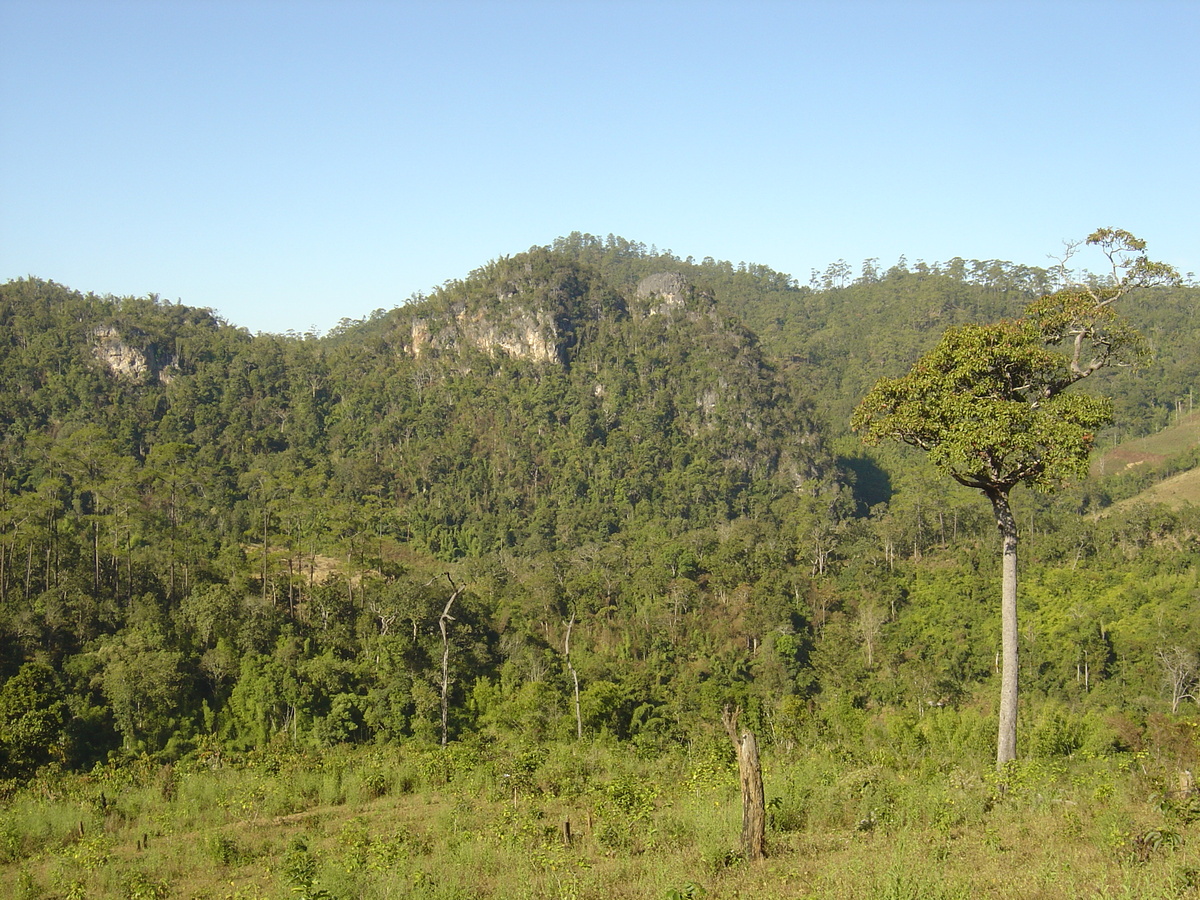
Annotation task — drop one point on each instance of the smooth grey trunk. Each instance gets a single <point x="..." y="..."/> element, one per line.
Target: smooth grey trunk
<point x="443" y="621"/>
<point x="1006" y="742"/>
<point x="574" y="678"/>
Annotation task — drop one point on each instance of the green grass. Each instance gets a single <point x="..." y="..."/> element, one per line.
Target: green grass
<point x="1149" y="453"/>
<point x="478" y="822"/>
<point x="1152" y="450"/>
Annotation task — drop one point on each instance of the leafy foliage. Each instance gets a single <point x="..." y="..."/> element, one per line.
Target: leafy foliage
<point x="986" y="405"/>
<point x="212" y="543"/>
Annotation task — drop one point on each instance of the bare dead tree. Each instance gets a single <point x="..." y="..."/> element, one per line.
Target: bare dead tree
<point x="871" y="618"/>
<point x="443" y="619"/>
<point x="1181" y="673"/>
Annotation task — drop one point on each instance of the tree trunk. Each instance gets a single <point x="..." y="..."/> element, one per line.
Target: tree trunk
<point x="574" y="678"/>
<point x="443" y="621"/>
<point x="754" y="807"/>
<point x="264" y="557"/>
<point x="1006" y="743"/>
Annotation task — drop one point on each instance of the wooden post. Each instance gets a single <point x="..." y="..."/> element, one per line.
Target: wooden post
<point x="754" y="806"/>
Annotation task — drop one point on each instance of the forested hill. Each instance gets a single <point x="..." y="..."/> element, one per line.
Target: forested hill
<point x="530" y="407"/>
<point x="841" y="328"/>
<point x="533" y="403"/>
<point x="213" y="537"/>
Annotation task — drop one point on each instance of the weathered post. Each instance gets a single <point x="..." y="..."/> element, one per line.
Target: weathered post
<point x="754" y="806"/>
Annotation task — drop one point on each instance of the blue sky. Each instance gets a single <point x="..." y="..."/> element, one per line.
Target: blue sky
<point x="290" y="164"/>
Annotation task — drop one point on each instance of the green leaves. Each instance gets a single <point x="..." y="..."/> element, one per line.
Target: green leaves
<point x="1130" y="267"/>
<point x="988" y="402"/>
<point x="985" y="405"/>
<point x="33" y="720"/>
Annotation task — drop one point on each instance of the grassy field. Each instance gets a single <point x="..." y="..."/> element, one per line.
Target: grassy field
<point x="1178" y="490"/>
<point x="1152" y="450"/>
<point x="475" y="822"/>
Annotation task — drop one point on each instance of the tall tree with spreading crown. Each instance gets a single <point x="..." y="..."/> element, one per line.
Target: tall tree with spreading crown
<point x="990" y="406"/>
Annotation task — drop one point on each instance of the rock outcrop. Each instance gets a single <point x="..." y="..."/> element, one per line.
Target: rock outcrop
<point x="124" y="360"/>
<point x="669" y="289"/>
<point x="520" y="333"/>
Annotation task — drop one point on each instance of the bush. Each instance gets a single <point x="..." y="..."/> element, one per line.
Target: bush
<point x="1057" y="733"/>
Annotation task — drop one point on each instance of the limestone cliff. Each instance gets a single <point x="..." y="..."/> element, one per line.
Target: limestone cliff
<point x="125" y="360"/>
<point x="531" y="307"/>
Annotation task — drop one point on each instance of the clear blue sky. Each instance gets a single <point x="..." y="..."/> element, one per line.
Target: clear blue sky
<point x="292" y="163"/>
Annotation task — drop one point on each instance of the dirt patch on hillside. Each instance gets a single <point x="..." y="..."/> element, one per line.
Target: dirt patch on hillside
<point x="1126" y="458"/>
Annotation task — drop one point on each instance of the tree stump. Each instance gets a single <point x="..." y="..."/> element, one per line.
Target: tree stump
<point x="754" y="806"/>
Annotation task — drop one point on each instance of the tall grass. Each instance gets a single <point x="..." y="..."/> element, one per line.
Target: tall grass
<point x="895" y="814"/>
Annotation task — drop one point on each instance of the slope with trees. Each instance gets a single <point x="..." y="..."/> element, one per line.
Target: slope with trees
<point x="638" y="495"/>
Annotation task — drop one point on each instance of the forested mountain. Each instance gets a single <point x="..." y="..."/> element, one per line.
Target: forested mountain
<point x="589" y="488"/>
<point x="842" y="329"/>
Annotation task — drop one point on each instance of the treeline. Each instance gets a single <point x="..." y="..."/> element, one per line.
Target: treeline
<point x="537" y="502"/>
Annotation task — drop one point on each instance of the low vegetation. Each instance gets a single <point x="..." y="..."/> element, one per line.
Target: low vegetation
<point x="906" y="809"/>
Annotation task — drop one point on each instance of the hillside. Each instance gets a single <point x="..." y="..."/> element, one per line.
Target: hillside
<point x="845" y="326"/>
<point x="171" y="486"/>
<point x="1151" y="451"/>
<point x="507" y="554"/>
<point x="1176" y="491"/>
<point x="1162" y="467"/>
<point x="572" y="492"/>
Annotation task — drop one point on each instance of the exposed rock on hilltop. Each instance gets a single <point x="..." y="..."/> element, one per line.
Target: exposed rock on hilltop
<point x="125" y="360"/>
<point x="528" y="335"/>
<point x="671" y="289"/>
<point x="529" y="307"/>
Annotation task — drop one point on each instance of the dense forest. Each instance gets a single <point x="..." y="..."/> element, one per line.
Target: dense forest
<point x="588" y="490"/>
